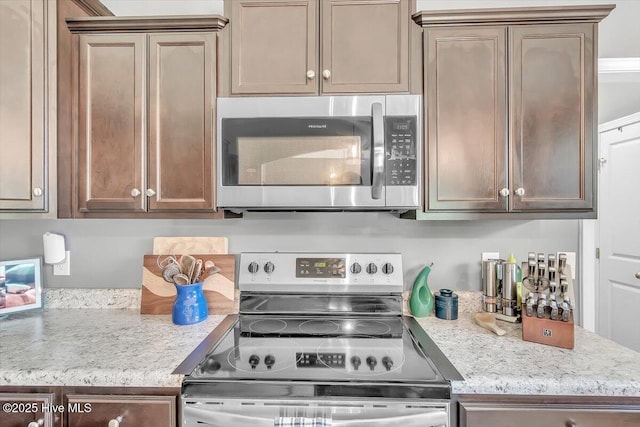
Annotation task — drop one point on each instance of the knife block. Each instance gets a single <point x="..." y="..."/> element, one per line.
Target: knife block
<point x="544" y="330"/>
<point x="549" y="332"/>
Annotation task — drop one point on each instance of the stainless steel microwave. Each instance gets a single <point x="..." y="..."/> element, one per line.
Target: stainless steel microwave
<point x="319" y="153"/>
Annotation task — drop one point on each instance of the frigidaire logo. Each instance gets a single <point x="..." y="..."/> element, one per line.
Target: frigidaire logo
<point x="317" y="126"/>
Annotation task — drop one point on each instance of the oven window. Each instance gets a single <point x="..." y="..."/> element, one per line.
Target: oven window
<point x="296" y="152"/>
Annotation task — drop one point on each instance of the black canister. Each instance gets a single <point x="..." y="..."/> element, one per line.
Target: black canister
<point x="446" y="304"/>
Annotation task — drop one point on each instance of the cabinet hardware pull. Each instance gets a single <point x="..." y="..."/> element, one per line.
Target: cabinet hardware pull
<point x="504" y="192"/>
<point x="135" y="192"/>
<point x="311" y="74"/>
<point x="571" y="423"/>
<point x="326" y="74"/>
<point x="519" y="192"/>
<point x="115" y="422"/>
<point x="38" y="423"/>
<point x="150" y="192"/>
<point x="37" y="191"/>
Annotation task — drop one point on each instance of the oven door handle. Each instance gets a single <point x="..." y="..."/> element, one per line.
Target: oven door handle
<point x="378" y="150"/>
<point x="429" y="419"/>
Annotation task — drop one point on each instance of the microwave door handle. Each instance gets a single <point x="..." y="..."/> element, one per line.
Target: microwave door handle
<point x="378" y="150"/>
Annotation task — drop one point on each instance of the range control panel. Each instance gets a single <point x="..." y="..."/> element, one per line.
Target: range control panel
<point x="400" y="147"/>
<point x="320" y="272"/>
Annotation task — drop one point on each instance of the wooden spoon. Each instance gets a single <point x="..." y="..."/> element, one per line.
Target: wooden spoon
<point x="488" y="321"/>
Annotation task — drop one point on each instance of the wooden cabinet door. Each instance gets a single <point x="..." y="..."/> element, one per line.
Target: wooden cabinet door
<point x="274" y="47"/>
<point x="88" y="410"/>
<point x="20" y="409"/>
<point x="111" y="137"/>
<point x="182" y="88"/>
<point x="465" y="91"/>
<point x="365" y="46"/>
<point x="23" y="107"/>
<point x="552" y="117"/>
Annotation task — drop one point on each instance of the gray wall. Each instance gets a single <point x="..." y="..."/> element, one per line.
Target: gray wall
<point x="108" y="253"/>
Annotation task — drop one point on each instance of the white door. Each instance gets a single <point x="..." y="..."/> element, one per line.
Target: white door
<point x="618" y="290"/>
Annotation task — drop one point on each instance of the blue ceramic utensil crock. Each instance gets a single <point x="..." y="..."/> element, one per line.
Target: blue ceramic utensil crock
<point x="190" y="305"/>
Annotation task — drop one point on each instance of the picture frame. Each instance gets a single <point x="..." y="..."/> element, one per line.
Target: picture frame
<point x="20" y="285"/>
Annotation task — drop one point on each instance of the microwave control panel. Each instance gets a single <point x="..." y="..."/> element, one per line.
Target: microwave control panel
<point x="401" y="152"/>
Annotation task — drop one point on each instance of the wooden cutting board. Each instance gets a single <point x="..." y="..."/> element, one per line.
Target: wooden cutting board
<point x="190" y="245"/>
<point x="219" y="290"/>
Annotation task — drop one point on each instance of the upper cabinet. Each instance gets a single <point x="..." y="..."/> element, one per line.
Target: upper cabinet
<point x="510" y="110"/>
<point x="27" y="110"/>
<point x="146" y="92"/>
<point x="319" y="47"/>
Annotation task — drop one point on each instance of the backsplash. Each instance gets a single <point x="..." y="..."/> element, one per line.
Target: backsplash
<point x="108" y="253"/>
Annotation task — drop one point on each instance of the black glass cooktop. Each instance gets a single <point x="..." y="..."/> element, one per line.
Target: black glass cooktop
<point x="317" y="349"/>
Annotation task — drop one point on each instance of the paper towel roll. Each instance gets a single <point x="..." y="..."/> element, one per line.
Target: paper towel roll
<point x="54" y="250"/>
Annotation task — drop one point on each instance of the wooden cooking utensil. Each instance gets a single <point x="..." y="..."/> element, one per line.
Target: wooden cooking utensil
<point x="488" y="321"/>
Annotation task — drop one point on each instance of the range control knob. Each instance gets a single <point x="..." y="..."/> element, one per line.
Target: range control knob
<point x="387" y="363"/>
<point x="355" y="268"/>
<point x="254" y="267"/>
<point x="387" y="268"/>
<point x="356" y="362"/>
<point x="269" y="267"/>
<point x="211" y="365"/>
<point x="254" y="361"/>
<point x="371" y="362"/>
<point x="372" y="268"/>
<point x="269" y="361"/>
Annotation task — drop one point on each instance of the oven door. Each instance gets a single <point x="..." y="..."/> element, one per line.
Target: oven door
<point x="301" y="152"/>
<point x="265" y="413"/>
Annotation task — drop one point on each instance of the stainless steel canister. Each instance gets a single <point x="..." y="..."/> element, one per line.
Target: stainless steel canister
<point x="509" y="289"/>
<point x="489" y="285"/>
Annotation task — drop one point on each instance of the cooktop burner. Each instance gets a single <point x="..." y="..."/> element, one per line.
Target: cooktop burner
<point x="261" y="326"/>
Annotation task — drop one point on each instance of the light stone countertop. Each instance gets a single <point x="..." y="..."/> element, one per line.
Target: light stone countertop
<point x="120" y="347"/>
<point x="508" y="365"/>
<point x="96" y="347"/>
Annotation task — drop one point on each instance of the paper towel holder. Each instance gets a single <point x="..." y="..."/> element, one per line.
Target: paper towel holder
<point x="54" y="248"/>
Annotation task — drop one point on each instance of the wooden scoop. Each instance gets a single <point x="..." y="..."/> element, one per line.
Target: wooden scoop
<point x="488" y="321"/>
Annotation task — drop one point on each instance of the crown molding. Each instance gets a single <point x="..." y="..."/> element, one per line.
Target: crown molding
<point x="618" y="65"/>
<point x="105" y="24"/>
<point x="521" y="15"/>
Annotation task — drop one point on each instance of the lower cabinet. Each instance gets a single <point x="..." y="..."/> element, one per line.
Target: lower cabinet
<point x="86" y="410"/>
<point x="23" y="406"/>
<point x="28" y="410"/>
<point x="536" y="411"/>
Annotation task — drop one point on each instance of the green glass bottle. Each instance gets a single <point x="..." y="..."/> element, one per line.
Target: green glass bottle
<point x="422" y="299"/>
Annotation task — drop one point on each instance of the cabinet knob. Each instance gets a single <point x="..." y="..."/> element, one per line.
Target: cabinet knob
<point x="150" y="192"/>
<point x="602" y="160"/>
<point x="326" y="74"/>
<point x="115" y="422"/>
<point x="519" y="192"/>
<point x="38" y="423"/>
<point x="504" y="192"/>
<point x="311" y="74"/>
<point x="570" y="423"/>
<point x="638" y="275"/>
<point x="135" y="192"/>
<point x="37" y="191"/>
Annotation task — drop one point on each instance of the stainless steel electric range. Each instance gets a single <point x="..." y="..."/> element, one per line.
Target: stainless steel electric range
<point x="320" y="341"/>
